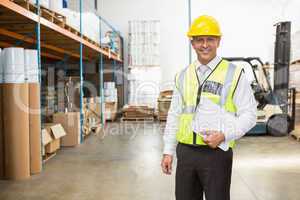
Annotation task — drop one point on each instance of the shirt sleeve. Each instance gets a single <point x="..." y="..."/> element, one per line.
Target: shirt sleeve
<point x="246" y="109"/>
<point x="171" y="128"/>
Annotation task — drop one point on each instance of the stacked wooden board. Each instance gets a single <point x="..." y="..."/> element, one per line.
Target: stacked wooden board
<point x="137" y="113"/>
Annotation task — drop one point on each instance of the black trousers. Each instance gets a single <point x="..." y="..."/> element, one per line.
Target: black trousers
<point x="202" y="169"/>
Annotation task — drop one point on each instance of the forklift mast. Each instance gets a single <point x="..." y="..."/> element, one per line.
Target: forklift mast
<point x="282" y="63"/>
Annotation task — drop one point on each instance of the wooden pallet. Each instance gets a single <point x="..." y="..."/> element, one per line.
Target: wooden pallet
<point x="296" y="62"/>
<point x="162" y="118"/>
<point x="46" y="13"/>
<point x="71" y="29"/>
<point x="113" y="119"/>
<point x="137" y="119"/>
<point x="296" y="135"/>
<point x="54" y="17"/>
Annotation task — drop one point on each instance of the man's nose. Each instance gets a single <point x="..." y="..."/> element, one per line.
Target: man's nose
<point x="205" y="44"/>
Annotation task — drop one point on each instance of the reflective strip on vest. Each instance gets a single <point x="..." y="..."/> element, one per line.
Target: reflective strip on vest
<point x="227" y="84"/>
<point x="181" y="85"/>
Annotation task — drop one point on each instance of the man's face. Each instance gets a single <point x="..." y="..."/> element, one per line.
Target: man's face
<point x="206" y="47"/>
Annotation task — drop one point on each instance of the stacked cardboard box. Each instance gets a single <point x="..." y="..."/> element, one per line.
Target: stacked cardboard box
<point x="70" y="121"/>
<point x="110" y="92"/>
<point x="51" y="136"/>
<point x="111" y="109"/>
<point x="111" y="100"/>
<point x="164" y="102"/>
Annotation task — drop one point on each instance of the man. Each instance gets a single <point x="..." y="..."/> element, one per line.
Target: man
<point x="204" y="158"/>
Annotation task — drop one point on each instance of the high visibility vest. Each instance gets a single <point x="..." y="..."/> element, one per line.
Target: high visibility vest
<point x="219" y="87"/>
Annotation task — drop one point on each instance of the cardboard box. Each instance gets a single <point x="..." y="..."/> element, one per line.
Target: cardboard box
<point x="111" y="110"/>
<point x="53" y="146"/>
<point x="52" y="134"/>
<point x="70" y="121"/>
<point x="46" y="137"/>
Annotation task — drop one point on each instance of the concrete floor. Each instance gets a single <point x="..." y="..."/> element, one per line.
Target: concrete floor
<point x="125" y="165"/>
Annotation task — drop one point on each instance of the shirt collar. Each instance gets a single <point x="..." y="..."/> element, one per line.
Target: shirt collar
<point x="212" y="64"/>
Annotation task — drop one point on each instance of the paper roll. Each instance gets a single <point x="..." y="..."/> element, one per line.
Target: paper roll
<point x="109" y="85"/>
<point x="13" y="56"/>
<point x="30" y="62"/>
<point x="16" y="131"/>
<point x="44" y="3"/>
<point x="13" y="69"/>
<point x="35" y="128"/>
<point x="56" y="5"/>
<point x="14" y="78"/>
<point x="1" y="67"/>
<point x="31" y="58"/>
<point x="33" y="78"/>
<point x="1" y="138"/>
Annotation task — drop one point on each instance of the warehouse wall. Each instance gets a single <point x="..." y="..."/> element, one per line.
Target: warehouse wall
<point x="247" y="27"/>
<point x="174" y="22"/>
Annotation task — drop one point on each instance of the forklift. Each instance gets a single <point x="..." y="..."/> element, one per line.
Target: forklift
<point x="275" y="106"/>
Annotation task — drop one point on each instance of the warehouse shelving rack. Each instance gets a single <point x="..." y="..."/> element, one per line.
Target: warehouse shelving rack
<point x="26" y="25"/>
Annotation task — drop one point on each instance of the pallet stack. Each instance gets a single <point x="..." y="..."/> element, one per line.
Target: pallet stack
<point x="164" y="102"/>
<point x="137" y="113"/>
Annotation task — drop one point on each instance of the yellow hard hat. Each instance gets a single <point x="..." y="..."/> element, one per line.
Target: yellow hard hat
<point x="204" y="25"/>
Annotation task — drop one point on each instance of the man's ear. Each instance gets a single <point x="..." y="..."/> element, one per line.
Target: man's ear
<point x="192" y="43"/>
<point x="219" y="41"/>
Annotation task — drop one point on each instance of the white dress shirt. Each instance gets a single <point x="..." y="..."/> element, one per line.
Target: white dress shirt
<point x="244" y="100"/>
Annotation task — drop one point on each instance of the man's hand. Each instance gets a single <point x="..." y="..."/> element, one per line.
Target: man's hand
<point x="166" y="164"/>
<point x="214" y="138"/>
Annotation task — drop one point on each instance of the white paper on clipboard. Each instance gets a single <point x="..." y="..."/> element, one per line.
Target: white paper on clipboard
<point x="211" y="117"/>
